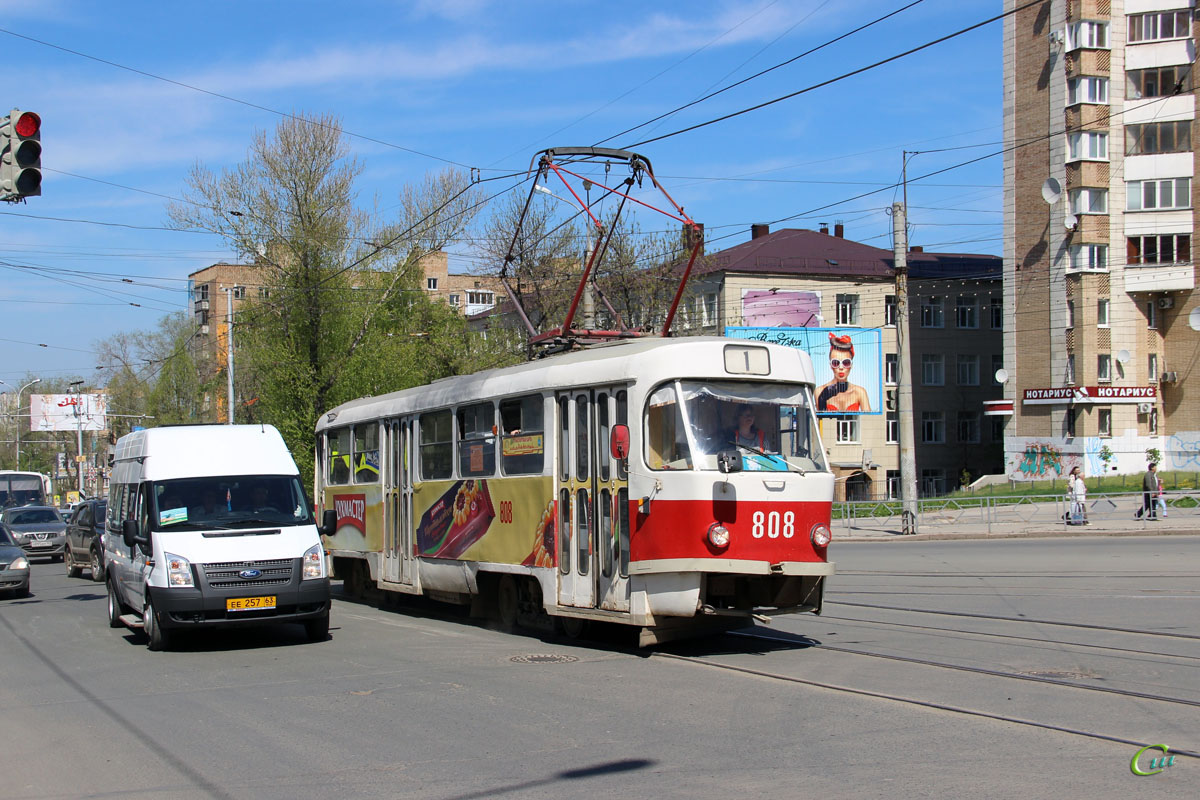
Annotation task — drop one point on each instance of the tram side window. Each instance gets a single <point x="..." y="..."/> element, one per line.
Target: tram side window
<point x="437" y="453"/>
<point x="477" y="440"/>
<point x="602" y="429"/>
<point x="564" y="441"/>
<point x="666" y="435"/>
<point x="622" y="419"/>
<point x="339" y="456"/>
<point x="366" y="453"/>
<point x="523" y="435"/>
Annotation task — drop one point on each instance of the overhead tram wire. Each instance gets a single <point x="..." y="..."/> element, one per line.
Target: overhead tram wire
<point x="759" y="74"/>
<point x="231" y="99"/>
<point x="836" y="79"/>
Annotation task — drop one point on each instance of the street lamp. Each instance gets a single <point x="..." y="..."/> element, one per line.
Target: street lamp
<point x="22" y="389"/>
<point x="78" y="437"/>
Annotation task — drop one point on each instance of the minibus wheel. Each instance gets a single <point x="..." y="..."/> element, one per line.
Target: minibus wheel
<point x="156" y="637"/>
<point x="317" y="628"/>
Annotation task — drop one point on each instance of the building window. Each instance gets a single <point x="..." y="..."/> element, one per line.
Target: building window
<point x="1169" y="248"/>
<point x="1158" y="137"/>
<point x="933" y="427"/>
<point x="847" y="309"/>
<point x="1102" y="312"/>
<point x="1069" y="379"/>
<point x="997" y="365"/>
<point x="1089" y="257"/>
<point x="1152" y="367"/>
<point x="1088" y="33"/>
<point x="1158" y="26"/>
<point x="933" y="369"/>
<point x="264" y="293"/>
<point x="966" y="312"/>
<point x="1153" y="422"/>
<point x="932" y="313"/>
<point x="710" y="308"/>
<point x="933" y="482"/>
<point x="1104" y="368"/>
<point x="997" y="308"/>
<point x="1151" y="316"/>
<point x="454" y="299"/>
<point x="1070" y="313"/>
<point x="997" y="429"/>
<point x="1104" y="421"/>
<point x="968" y="370"/>
<point x="968" y="427"/>
<point x="1089" y="201"/>
<point x="893" y="484"/>
<point x="1157" y="82"/>
<point x="239" y="292"/>
<point x="1087" y="89"/>
<point x="431" y="284"/>
<point x="891" y="369"/>
<point x="1069" y="422"/>
<point x="478" y="298"/>
<point x="202" y="291"/>
<point x="889" y="311"/>
<point x="892" y="428"/>
<point x="847" y="430"/>
<point x="1167" y="193"/>
<point x="1087" y="146"/>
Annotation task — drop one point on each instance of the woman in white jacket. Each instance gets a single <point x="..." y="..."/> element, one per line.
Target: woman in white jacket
<point x="1077" y="490"/>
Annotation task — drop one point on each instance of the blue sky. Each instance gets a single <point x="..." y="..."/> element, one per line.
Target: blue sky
<point x="480" y="83"/>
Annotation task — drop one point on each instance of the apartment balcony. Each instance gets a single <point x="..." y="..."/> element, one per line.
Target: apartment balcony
<point x="1171" y="277"/>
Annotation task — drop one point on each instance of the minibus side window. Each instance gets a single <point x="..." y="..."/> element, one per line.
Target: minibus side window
<point x="437" y="454"/>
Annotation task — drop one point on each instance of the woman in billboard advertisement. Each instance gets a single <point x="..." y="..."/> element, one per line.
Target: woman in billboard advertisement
<point x="839" y="394"/>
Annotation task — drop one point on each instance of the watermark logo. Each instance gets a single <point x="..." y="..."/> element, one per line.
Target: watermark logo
<point x="1157" y="763"/>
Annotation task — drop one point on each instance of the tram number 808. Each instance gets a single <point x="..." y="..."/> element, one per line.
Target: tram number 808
<point x="773" y="525"/>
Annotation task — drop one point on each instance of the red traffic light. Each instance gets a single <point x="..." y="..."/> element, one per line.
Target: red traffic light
<point x="28" y="124"/>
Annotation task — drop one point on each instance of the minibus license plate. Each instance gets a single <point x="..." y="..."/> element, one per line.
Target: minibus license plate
<point x="249" y="603"/>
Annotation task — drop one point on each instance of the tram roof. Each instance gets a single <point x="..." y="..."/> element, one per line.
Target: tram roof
<point x="596" y="365"/>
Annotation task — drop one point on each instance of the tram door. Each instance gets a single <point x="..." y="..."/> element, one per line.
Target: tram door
<point x="593" y="521"/>
<point x="397" y="502"/>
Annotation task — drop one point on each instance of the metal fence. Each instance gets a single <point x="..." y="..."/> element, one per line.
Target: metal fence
<point x="998" y="514"/>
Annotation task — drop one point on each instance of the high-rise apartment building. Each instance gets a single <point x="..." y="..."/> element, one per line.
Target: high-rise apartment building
<point x="1101" y="309"/>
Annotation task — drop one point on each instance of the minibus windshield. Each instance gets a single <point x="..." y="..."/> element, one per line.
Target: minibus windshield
<point x="772" y="426"/>
<point x="237" y="501"/>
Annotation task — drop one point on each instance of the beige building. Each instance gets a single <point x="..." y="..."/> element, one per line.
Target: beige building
<point x="1100" y="199"/>
<point x="780" y="283"/>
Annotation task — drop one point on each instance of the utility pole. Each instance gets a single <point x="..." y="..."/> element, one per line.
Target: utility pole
<point x="229" y="350"/>
<point x="904" y="397"/>
<point x="78" y="437"/>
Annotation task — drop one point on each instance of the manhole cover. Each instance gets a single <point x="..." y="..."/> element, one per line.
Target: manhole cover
<point x="543" y="658"/>
<point x="1061" y="675"/>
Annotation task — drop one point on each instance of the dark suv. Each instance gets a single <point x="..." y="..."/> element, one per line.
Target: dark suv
<point x="85" y="539"/>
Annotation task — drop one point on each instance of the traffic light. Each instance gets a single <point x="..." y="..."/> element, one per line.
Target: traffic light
<point x="20" y="155"/>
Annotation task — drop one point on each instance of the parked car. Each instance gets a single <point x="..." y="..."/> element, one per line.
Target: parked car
<point x="38" y="530"/>
<point x="85" y="539"/>
<point x="14" y="567"/>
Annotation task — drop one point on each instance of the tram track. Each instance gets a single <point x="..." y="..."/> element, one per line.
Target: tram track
<point x="946" y="707"/>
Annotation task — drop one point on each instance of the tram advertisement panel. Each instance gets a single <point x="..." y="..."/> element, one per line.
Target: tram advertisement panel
<point x="509" y="521"/>
<point x="359" y="517"/>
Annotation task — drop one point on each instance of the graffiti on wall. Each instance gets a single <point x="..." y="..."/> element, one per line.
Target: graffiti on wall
<point x="1039" y="459"/>
<point x="1183" y="453"/>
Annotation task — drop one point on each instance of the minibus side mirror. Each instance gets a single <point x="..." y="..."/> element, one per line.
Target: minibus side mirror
<point x="328" y="522"/>
<point x="729" y="461"/>
<point x="131" y="534"/>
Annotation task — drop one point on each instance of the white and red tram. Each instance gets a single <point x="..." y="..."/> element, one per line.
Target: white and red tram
<point x="599" y="484"/>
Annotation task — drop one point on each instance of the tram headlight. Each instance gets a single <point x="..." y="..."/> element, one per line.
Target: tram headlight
<point x="718" y="535"/>
<point x="821" y="537"/>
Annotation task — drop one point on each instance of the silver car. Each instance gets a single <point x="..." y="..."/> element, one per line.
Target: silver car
<point x="38" y="530"/>
<point x="14" y="567"/>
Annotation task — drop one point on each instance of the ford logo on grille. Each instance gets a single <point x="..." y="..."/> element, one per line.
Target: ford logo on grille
<point x="250" y="573"/>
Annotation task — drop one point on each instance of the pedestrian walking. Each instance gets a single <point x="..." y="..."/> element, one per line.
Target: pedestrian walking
<point x="1077" y="492"/>
<point x="1162" y="497"/>
<point x="1149" y="493"/>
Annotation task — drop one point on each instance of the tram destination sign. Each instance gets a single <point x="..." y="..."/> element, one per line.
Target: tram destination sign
<point x="1090" y="394"/>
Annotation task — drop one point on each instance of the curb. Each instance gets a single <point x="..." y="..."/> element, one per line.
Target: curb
<point x="1032" y="534"/>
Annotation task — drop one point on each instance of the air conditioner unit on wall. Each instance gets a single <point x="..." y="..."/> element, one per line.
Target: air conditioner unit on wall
<point x="1169" y="377"/>
<point x="1145" y="408"/>
<point x="1166" y="302"/>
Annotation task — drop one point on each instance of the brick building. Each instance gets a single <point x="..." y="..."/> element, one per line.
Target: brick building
<point x="1100" y="205"/>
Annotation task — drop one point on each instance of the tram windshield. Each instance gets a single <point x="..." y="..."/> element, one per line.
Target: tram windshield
<point x="772" y="426"/>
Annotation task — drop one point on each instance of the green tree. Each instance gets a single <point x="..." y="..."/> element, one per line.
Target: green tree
<point x="346" y="314"/>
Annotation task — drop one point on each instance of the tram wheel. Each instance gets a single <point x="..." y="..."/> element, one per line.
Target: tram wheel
<point x="571" y="627"/>
<point x="507" y="602"/>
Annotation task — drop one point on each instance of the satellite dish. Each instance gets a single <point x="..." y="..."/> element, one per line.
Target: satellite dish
<point x="1194" y="319"/>
<point x="1070" y="222"/>
<point x="1123" y="356"/>
<point x="1051" y="191"/>
<point x="1001" y="375"/>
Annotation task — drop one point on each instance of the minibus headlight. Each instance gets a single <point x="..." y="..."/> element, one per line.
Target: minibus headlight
<point x="313" y="563"/>
<point x="20" y="562"/>
<point x="179" y="570"/>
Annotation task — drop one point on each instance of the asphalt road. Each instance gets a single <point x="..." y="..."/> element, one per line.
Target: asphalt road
<point x="1025" y="668"/>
